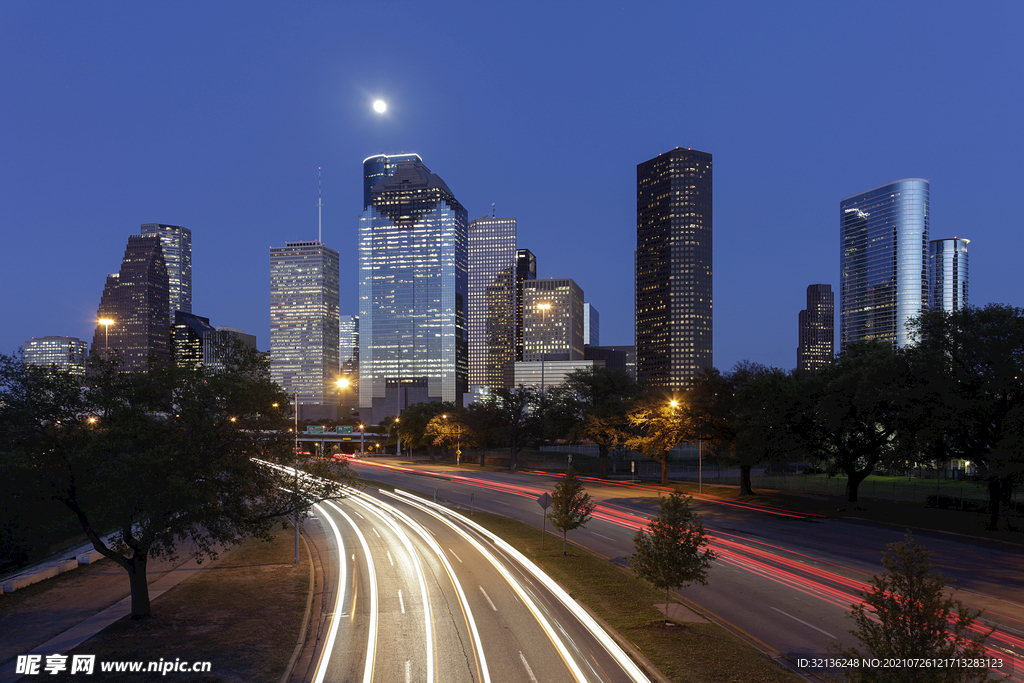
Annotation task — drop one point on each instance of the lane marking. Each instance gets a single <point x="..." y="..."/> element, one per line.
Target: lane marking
<point x="488" y="598"/>
<point x="375" y="531"/>
<point x="360" y="516"/>
<point x="529" y="671"/>
<point x="401" y="602"/>
<point x="456" y="556"/>
<point x="603" y="536"/>
<point x="805" y="623"/>
<point x="408" y="672"/>
<point x="390" y="560"/>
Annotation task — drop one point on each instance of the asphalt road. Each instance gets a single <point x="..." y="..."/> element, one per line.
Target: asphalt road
<point x="420" y="595"/>
<point x="784" y="581"/>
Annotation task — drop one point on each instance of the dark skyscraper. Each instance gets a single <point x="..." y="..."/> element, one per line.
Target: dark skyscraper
<point x="136" y="304"/>
<point x="381" y="166"/>
<point x="176" y="243"/>
<point x="817" y="329"/>
<point x="673" y="268"/>
<point x="526" y="270"/>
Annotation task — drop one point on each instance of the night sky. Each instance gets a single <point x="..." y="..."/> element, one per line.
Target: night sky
<point x="216" y="116"/>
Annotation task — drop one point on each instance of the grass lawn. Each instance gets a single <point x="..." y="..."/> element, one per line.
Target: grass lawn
<point x="685" y="653"/>
<point x="242" y="614"/>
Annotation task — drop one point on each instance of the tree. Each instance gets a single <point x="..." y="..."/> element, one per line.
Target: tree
<point x="571" y="505"/>
<point x="449" y="430"/>
<point x="907" y="614"/>
<point x="414" y="420"/>
<point x="162" y="457"/>
<point x="517" y="411"/>
<point x="973" y="363"/>
<point x="673" y="552"/>
<point x="593" y="402"/>
<point x="662" y="425"/>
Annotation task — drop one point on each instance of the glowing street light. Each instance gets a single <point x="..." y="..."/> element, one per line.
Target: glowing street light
<point x="106" y="322"/>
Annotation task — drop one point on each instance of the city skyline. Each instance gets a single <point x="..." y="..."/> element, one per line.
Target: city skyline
<point x="227" y="140"/>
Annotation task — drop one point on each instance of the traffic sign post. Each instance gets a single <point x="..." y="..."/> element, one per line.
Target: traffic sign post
<point x="544" y="500"/>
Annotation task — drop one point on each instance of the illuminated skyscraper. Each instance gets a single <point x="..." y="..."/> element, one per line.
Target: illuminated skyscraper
<point x="176" y="243"/>
<point x="304" y="322"/>
<point x="66" y="353"/>
<point x="381" y="166"/>
<point x="591" y="325"/>
<point x="552" y="320"/>
<point x="673" y="268"/>
<point x="413" y="269"/>
<point x="137" y="302"/>
<point x="492" y="301"/>
<point x="883" y="243"/>
<point x="817" y="329"/>
<point x="947" y="274"/>
<point x="526" y="270"/>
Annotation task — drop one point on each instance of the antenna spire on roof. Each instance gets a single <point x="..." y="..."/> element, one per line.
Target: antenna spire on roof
<point x="319" y="206"/>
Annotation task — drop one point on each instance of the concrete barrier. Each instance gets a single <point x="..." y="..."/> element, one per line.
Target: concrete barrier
<point x="22" y="580"/>
<point x="89" y="557"/>
<point x="67" y="565"/>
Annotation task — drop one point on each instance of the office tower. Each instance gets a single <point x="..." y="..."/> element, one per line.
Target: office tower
<point x="304" y="324"/>
<point x="591" y="326"/>
<point x="350" y="364"/>
<point x="883" y="243"/>
<point x="947" y="274"/>
<point x="492" y="301"/>
<point x="192" y="340"/>
<point x="381" y="166"/>
<point x="552" y="320"/>
<point x="412" y="294"/>
<point x="176" y="243"/>
<point x="673" y="268"/>
<point x="526" y="270"/>
<point x="66" y="353"/>
<point x="817" y="329"/>
<point x="136" y="307"/>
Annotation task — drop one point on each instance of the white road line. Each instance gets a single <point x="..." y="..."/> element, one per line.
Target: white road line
<point x="408" y="672"/>
<point x="375" y="531"/>
<point x="456" y="556"/>
<point x="603" y="536"/>
<point x="359" y="515"/>
<point x="401" y="602"/>
<point x="390" y="560"/>
<point x="805" y="623"/>
<point x="529" y="671"/>
<point x="488" y="598"/>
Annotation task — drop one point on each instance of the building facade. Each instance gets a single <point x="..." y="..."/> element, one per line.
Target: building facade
<point x="304" y="314"/>
<point x="816" y="347"/>
<point x="65" y="353"/>
<point x="947" y="274"/>
<point x="192" y="340"/>
<point x="413" y="286"/>
<point x="591" y="325"/>
<point x="547" y="374"/>
<point x="492" y="301"/>
<point x="176" y="243"/>
<point x="552" y="320"/>
<point x="526" y="270"/>
<point x="381" y="166"/>
<point x="350" y="364"/>
<point x="136" y="307"/>
<point x="883" y="243"/>
<point x="673" y="264"/>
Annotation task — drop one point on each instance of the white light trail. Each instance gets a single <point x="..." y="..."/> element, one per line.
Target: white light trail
<point x="332" y="633"/>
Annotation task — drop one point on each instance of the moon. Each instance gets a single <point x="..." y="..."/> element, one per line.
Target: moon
<point x="380" y="106"/>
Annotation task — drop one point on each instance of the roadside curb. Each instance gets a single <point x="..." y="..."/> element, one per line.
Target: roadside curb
<point x="301" y="643"/>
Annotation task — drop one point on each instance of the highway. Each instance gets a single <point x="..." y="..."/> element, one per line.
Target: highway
<point x="783" y="580"/>
<point x="421" y="595"/>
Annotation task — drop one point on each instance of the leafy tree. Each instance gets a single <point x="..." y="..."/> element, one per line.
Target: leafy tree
<point x="907" y="614"/>
<point x="483" y="421"/>
<point x="160" y="458"/>
<point x="449" y="430"/>
<point x="673" y="552"/>
<point x="594" y="403"/>
<point x="661" y="425"/>
<point x="414" y="420"/>
<point x="973" y="363"/>
<point x="571" y="506"/>
<point x="516" y="409"/>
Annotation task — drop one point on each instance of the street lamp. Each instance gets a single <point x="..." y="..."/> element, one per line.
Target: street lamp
<point x="398" y="439"/>
<point x="295" y="494"/>
<point x="458" y="440"/>
<point x="362" y="433"/>
<point x="106" y="322"/>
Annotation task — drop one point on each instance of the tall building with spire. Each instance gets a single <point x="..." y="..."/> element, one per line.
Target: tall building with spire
<point x="883" y="251"/>
<point x="674" y="340"/>
<point x="135" y="307"/>
<point x="304" y="321"/>
<point x="176" y="243"/>
<point x="413" y="272"/>
<point x="492" y="301"/>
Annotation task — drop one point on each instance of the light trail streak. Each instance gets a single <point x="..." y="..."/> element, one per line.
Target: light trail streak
<point x="332" y="633"/>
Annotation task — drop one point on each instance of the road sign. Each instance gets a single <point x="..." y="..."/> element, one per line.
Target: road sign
<point x="314" y="430"/>
<point x="545" y="500"/>
<point x="345" y="429"/>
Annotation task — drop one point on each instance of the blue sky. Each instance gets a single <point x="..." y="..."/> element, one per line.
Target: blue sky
<point x="216" y="116"/>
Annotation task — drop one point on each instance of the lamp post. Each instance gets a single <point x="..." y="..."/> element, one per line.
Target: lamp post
<point x="398" y="439"/>
<point x="362" y="433"/>
<point x="106" y="322"/>
<point x="342" y="386"/>
<point x="543" y="307"/>
<point x="296" y="468"/>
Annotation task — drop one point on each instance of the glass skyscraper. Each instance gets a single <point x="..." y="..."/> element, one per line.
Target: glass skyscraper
<point x="492" y="301"/>
<point x="947" y="274"/>
<point x="883" y="261"/>
<point x="137" y="301"/>
<point x="413" y="271"/>
<point x="526" y="270"/>
<point x="673" y="268"/>
<point x="176" y="243"/>
<point x="381" y="166"/>
<point x="66" y="353"/>
<point x="304" y="314"/>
